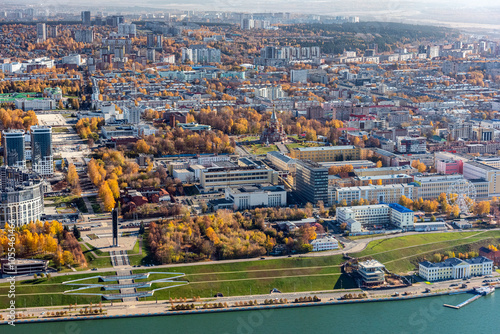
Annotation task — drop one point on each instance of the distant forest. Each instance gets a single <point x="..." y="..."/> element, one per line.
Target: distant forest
<point x="335" y="38"/>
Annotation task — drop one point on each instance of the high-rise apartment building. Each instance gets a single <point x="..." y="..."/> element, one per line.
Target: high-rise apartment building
<point x="41" y="150"/>
<point x="86" y="18"/>
<point x="41" y="32"/>
<point x="13" y="148"/>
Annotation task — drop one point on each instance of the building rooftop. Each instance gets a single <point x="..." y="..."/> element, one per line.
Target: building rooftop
<point x="255" y="188"/>
<point x="371" y="264"/>
<point x="481" y="165"/>
<point x="399" y="208"/>
<point x="281" y="156"/>
<point x="452" y="262"/>
<point x="325" y="148"/>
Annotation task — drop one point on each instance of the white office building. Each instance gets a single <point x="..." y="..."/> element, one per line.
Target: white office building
<point x="455" y="268"/>
<point x="378" y="215"/>
<point x="324" y="244"/>
<point x="390" y="193"/>
<point x="247" y="197"/>
<point x="432" y="186"/>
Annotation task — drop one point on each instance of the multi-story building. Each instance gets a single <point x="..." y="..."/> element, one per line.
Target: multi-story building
<point x="41" y="32"/>
<point x="41" y="150"/>
<point x="35" y="104"/>
<point x="461" y="130"/>
<point x="390" y="193"/>
<point x="406" y="169"/>
<point x="490" y="161"/>
<point x="222" y="177"/>
<point x="449" y="166"/>
<point x="271" y="93"/>
<point x="311" y="182"/>
<point x="84" y="36"/>
<point x="132" y="115"/>
<point x="264" y="195"/>
<point x="411" y="145"/>
<point x="375" y="216"/>
<point x="14" y="148"/>
<point x="324" y="244"/>
<point x="86" y="18"/>
<point x="372" y="272"/>
<point x="483" y="134"/>
<point x="22" y="196"/>
<point x="127" y="29"/>
<point x="200" y="54"/>
<point x="23" y="266"/>
<point x="329" y="153"/>
<point x="430" y="187"/>
<point x="281" y="161"/>
<point x="474" y="170"/>
<point x="454" y="268"/>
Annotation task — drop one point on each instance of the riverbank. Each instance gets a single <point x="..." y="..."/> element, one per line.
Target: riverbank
<point x="237" y="308"/>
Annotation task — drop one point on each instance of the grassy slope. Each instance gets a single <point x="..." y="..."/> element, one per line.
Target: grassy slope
<point x="300" y="274"/>
<point x="41" y="292"/>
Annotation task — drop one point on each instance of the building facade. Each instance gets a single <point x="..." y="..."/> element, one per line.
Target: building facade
<point x="375" y="216"/>
<point x="474" y="170"/>
<point x="248" y="197"/>
<point x="329" y="153"/>
<point x="372" y="272"/>
<point x="324" y="244"/>
<point x="311" y="182"/>
<point x="455" y="268"/>
<point x="21" y="197"/>
<point x="221" y="177"/>
<point x="390" y="193"/>
<point x="430" y="187"/>
<point x="41" y="150"/>
<point x="14" y="148"/>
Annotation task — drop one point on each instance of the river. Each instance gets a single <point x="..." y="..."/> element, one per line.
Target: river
<point x="425" y="315"/>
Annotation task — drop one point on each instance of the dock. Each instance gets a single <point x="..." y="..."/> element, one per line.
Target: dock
<point x="479" y="293"/>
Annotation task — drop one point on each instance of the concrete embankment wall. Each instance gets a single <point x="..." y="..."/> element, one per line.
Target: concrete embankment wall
<point x="233" y="309"/>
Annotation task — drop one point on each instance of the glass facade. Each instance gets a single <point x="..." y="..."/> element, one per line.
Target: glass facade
<point x="14" y="148"/>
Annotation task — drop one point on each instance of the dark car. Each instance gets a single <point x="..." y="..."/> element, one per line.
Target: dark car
<point x="218" y="294"/>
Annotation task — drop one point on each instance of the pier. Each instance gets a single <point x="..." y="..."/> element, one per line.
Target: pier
<point x="479" y="293"/>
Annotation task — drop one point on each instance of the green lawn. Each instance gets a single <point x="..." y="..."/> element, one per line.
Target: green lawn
<point x="297" y="274"/>
<point x="97" y="251"/>
<point x="95" y="205"/>
<point x="397" y="258"/>
<point x="286" y="274"/>
<point x="136" y="248"/>
<point x="141" y="259"/>
<point x="60" y="130"/>
<point x="259" y="149"/>
<point x="58" y="200"/>
<point x="249" y="138"/>
<point x="43" y="292"/>
<point x="357" y="237"/>
<point x="95" y="262"/>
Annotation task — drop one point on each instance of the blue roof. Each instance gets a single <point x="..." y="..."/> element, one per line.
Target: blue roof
<point x="399" y="208"/>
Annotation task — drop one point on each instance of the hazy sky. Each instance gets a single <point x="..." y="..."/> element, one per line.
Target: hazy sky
<point x="455" y="13"/>
<point x="255" y="5"/>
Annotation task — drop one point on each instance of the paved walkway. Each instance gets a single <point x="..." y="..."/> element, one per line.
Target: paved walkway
<point x="282" y="147"/>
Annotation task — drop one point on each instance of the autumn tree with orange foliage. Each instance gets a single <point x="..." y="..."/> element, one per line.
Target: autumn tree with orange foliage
<point x="106" y="196"/>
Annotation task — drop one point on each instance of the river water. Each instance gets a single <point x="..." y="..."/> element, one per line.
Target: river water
<point x="425" y="315"/>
